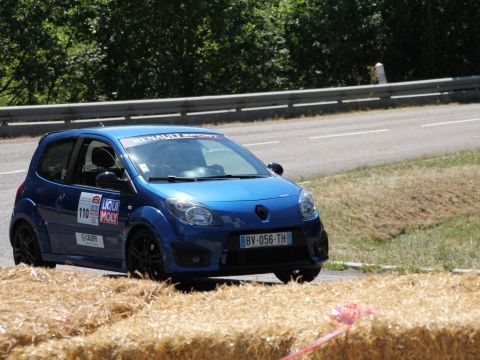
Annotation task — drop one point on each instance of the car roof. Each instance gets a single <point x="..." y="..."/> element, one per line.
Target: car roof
<point x="118" y="132"/>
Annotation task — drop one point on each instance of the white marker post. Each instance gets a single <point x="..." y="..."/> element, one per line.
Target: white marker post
<point x="379" y="69"/>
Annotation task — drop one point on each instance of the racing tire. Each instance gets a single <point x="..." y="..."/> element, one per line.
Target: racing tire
<point x="25" y="247"/>
<point x="300" y="276"/>
<point x="144" y="257"/>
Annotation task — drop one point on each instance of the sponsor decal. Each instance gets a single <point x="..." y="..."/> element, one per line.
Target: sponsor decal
<point x="109" y="211"/>
<point x="144" y="168"/>
<point x="91" y="240"/>
<point x="236" y="222"/>
<point x="133" y="141"/>
<point x="88" y="208"/>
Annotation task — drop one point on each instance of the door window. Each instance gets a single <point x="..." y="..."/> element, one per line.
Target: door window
<point x="94" y="158"/>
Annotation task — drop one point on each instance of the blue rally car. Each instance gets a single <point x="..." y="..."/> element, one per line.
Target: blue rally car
<point x="163" y="201"/>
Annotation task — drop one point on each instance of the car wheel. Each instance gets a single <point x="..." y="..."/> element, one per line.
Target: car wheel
<point x="144" y="257"/>
<point x="25" y="247"/>
<point x="301" y="275"/>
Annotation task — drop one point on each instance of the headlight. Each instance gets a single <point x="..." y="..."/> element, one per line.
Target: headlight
<point x="307" y="206"/>
<point x="191" y="212"/>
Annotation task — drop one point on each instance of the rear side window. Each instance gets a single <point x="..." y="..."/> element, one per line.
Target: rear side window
<point x="54" y="161"/>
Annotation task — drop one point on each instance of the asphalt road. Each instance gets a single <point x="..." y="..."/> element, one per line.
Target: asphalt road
<point x="306" y="147"/>
<point x="332" y="144"/>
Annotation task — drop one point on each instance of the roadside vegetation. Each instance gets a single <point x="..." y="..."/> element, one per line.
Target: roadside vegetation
<point x="414" y="214"/>
<point x="64" y="51"/>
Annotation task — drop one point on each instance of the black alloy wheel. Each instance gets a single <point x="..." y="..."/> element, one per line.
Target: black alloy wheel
<point x="25" y="247"/>
<point x="300" y="276"/>
<point x="144" y="257"/>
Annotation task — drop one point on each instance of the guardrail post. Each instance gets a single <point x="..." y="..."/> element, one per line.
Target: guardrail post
<point x="290" y="103"/>
<point x="4" y="123"/>
<point x="67" y="120"/>
<point x="183" y="114"/>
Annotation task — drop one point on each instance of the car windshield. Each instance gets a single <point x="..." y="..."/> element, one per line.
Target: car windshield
<point x="191" y="157"/>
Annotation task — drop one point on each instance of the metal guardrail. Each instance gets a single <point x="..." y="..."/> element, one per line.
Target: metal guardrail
<point x="32" y="120"/>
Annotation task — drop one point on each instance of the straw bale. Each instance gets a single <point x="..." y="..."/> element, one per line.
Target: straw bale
<point x="417" y="316"/>
<point x="38" y="304"/>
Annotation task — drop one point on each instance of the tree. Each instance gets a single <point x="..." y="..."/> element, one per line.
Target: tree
<point x="46" y="50"/>
<point x="149" y="47"/>
<point x="91" y="50"/>
<point x="333" y="42"/>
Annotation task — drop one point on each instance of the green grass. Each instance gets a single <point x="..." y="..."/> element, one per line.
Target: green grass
<point x="335" y="266"/>
<point x="413" y="214"/>
<point x="452" y="244"/>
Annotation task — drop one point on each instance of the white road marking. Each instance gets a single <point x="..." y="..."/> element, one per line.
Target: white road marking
<point x="12" y="172"/>
<point x="262" y="143"/>
<point x="450" y="122"/>
<point x="348" y="134"/>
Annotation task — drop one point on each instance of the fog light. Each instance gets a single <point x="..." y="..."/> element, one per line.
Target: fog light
<point x="321" y="245"/>
<point x="190" y="255"/>
<point x="318" y="248"/>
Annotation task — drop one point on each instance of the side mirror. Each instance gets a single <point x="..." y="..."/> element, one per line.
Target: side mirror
<point x="276" y="168"/>
<point x="110" y="180"/>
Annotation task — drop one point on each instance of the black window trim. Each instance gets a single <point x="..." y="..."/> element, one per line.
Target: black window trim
<point x="73" y="160"/>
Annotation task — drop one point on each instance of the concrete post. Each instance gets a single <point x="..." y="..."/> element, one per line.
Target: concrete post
<point x="379" y="69"/>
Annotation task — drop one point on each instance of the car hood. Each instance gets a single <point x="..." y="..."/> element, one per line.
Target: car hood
<point x="228" y="190"/>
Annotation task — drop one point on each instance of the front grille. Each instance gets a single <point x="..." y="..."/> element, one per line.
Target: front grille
<point x="295" y="253"/>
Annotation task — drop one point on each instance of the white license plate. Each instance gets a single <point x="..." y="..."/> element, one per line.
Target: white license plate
<point x="265" y="240"/>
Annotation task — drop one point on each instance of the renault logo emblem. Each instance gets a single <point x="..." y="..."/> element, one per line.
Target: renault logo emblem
<point x="261" y="212"/>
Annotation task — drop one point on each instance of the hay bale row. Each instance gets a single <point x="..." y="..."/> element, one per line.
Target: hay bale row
<point x="418" y="316"/>
<point x="37" y="305"/>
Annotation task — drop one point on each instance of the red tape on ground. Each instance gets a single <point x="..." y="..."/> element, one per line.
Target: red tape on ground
<point x="345" y="314"/>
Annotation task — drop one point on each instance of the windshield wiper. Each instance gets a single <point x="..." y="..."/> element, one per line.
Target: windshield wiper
<point x="173" y="179"/>
<point x="230" y="176"/>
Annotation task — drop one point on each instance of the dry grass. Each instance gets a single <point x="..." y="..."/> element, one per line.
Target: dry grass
<point x="366" y="208"/>
<point x="383" y="206"/>
<point x="416" y="317"/>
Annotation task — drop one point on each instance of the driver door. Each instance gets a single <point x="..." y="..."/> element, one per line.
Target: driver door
<point x="93" y="216"/>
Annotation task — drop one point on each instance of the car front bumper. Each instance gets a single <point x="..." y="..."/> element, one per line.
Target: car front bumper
<point x="214" y="253"/>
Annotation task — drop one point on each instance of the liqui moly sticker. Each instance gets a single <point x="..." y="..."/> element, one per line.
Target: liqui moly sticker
<point x="109" y="211"/>
<point x="91" y="240"/>
<point x="88" y="208"/>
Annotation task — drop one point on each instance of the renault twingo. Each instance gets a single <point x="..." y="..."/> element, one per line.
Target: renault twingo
<point x="163" y="201"/>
